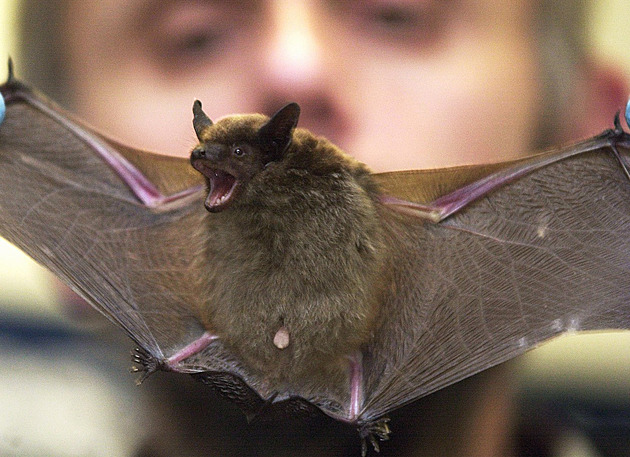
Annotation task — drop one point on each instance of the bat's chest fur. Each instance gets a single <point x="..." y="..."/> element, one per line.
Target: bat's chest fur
<point x="293" y="291"/>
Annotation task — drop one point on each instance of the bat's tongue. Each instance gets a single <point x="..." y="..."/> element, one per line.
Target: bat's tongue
<point x="222" y="186"/>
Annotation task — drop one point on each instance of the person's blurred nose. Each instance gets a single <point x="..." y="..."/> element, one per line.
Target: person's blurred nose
<point x="297" y="67"/>
<point x="292" y="56"/>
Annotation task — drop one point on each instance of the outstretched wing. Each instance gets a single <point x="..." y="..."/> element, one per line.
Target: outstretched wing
<point x="93" y="212"/>
<point x="537" y="248"/>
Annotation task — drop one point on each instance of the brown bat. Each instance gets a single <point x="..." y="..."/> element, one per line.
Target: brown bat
<point x="284" y="274"/>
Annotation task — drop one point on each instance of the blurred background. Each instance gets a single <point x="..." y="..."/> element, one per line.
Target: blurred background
<point x="593" y="369"/>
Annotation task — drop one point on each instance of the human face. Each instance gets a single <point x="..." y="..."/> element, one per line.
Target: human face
<point x="397" y="83"/>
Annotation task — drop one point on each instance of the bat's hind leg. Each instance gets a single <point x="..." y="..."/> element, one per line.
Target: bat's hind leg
<point x="356" y="385"/>
<point x="191" y="349"/>
<point x="372" y="431"/>
<point x="147" y="363"/>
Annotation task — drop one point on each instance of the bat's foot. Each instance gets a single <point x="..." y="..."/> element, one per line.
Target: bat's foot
<point x="373" y="432"/>
<point x="146" y="364"/>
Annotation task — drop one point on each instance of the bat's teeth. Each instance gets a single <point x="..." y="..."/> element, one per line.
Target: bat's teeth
<point x="222" y="185"/>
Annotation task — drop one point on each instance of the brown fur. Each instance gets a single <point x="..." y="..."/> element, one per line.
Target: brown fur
<point x="300" y="247"/>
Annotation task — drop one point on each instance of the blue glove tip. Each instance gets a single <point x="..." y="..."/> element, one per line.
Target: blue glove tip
<point x="628" y="113"/>
<point x="3" y="108"/>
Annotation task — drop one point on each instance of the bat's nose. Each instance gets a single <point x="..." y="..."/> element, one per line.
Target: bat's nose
<point x="210" y="153"/>
<point x="198" y="153"/>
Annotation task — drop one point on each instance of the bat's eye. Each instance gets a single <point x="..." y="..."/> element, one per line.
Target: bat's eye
<point x="239" y="152"/>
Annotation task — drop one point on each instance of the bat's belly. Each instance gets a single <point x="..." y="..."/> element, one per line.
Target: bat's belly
<point x="290" y="301"/>
<point x="290" y="327"/>
<point x="289" y="340"/>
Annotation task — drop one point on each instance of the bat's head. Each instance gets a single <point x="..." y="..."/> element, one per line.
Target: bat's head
<point x="232" y="151"/>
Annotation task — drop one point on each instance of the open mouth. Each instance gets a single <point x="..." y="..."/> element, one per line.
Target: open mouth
<point x="221" y="187"/>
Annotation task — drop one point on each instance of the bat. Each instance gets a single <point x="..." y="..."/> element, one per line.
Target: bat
<point x="282" y="273"/>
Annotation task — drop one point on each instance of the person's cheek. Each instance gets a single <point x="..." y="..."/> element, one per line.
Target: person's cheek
<point x="470" y="105"/>
<point x="501" y="104"/>
<point x="142" y="108"/>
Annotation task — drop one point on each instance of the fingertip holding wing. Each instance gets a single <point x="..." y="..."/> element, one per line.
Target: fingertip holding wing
<point x="3" y="108"/>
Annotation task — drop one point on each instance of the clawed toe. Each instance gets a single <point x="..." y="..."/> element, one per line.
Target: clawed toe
<point x="374" y="432"/>
<point x="146" y="364"/>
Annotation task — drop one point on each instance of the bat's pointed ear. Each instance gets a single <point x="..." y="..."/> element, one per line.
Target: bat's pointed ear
<point x="276" y="134"/>
<point x="201" y="121"/>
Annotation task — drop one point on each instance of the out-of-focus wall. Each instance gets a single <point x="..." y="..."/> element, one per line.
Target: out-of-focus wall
<point x="7" y="30"/>
<point x="609" y="32"/>
<point x="5" y="25"/>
